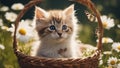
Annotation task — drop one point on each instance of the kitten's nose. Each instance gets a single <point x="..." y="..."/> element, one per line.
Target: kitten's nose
<point x="60" y="34"/>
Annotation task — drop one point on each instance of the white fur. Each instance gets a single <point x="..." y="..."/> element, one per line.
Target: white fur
<point x="49" y="48"/>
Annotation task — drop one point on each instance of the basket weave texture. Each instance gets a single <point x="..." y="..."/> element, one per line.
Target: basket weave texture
<point x="26" y="61"/>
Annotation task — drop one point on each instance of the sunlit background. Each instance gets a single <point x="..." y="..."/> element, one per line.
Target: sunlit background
<point x="110" y="15"/>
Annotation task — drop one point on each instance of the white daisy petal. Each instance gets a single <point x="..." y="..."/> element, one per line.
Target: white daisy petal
<point x="118" y="25"/>
<point x="107" y="52"/>
<point x="100" y="62"/>
<point x="2" y="47"/>
<point x="10" y="16"/>
<point x="23" y="38"/>
<point x="4" y="8"/>
<point x="5" y="28"/>
<point x="17" y="6"/>
<point x="116" y="46"/>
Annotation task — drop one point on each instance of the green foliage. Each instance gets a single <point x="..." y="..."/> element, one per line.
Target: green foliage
<point x="7" y="56"/>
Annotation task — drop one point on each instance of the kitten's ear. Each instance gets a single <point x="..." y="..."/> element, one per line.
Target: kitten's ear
<point x="69" y="11"/>
<point x="40" y="13"/>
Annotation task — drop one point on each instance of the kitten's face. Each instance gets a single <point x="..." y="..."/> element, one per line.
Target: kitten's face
<point x="55" y="24"/>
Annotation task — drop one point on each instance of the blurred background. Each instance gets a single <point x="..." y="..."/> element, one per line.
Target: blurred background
<point x="110" y="8"/>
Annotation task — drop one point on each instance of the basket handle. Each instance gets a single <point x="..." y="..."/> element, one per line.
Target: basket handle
<point x="91" y="6"/>
<point x="87" y="3"/>
<point x="20" y="15"/>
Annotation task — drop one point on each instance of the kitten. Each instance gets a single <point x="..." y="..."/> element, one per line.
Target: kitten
<point x="56" y="30"/>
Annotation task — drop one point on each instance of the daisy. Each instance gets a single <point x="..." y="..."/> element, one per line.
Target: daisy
<point x="23" y="23"/>
<point x="107" y="52"/>
<point x="17" y="6"/>
<point x="5" y="28"/>
<point x="112" y="61"/>
<point x="10" y="16"/>
<point x="4" y="8"/>
<point x="100" y="62"/>
<point x="107" y="22"/>
<point x="116" y="46"/>
<point x="24" y="32"/>
<point x="1" y="22"/>
<point x="2" y="47"/>
<point x="118" y="25"/>
<point x="106" y="40"/>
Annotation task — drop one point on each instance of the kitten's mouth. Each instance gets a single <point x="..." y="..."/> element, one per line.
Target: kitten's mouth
<point x="60" y="39"/>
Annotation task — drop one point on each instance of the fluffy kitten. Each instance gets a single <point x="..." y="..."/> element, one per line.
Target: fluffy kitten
<point x="56" y="30"/>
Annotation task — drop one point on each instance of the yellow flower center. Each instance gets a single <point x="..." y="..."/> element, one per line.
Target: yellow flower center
<point x="105" y="40"/>
<point x="22" y="31"/>
<point x="118" y="47"/>
<point x="17" y="7"/>
<point x="104" y="24"/>
<point x="112" y="62"/>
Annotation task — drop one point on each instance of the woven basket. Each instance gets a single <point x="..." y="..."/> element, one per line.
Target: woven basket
<point x="26" y="61"/>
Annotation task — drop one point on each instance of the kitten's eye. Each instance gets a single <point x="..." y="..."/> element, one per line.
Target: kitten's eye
<point x="64" y="27"/>
<point x="52" y="27"/>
